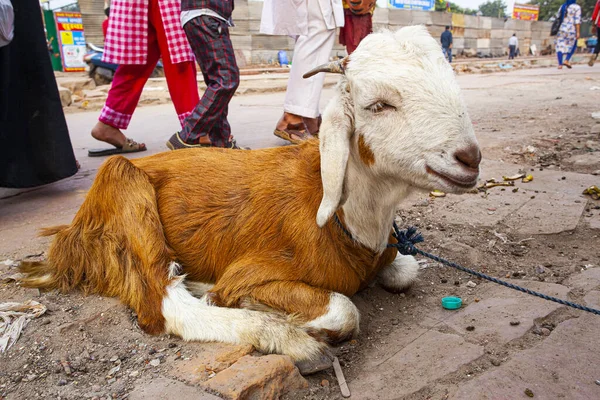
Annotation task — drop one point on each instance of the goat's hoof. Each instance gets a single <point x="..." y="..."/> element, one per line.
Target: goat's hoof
<point x="309" y="367"/>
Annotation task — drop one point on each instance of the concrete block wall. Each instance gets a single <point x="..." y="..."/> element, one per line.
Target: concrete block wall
<point x="473" y="35"/>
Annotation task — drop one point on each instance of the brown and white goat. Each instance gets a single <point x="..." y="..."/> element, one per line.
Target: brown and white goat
<point x="251" y="234"/>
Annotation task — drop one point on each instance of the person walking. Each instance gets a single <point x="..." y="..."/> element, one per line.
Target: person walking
<point x="446" y="40"/>
<point x="139" y="33"/>
<point x="35" y="147"/>
<point x="206" y="24"/>
<point x="358" y="23"/>
<point x="568" y="33"/>
<point x="313" y="24"/>
<point x="513" y="44"/>
<point x="595" y="26"/>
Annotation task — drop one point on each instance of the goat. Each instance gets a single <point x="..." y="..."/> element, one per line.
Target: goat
<point x="243" y="246"/>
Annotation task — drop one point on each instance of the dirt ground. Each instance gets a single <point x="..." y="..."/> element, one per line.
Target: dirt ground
<point x="90" y="347"/>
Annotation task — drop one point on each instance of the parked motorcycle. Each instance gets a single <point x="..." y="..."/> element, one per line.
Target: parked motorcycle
<point x="102" y="73"/>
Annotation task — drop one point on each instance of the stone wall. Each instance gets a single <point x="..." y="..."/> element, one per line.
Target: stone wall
<point x="473" y="35"/>
<point x="483" y="36"/>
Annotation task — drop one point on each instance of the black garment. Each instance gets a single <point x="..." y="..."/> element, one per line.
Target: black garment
<point x="222" y="7"/>
<point x="35" y="147"/>
<point x="512" y="51"/>
<point x="446" y="39"/>
<point x="597" y="48"/>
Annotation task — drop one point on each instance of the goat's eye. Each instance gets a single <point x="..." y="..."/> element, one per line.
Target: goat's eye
<point x="380" y="106"/>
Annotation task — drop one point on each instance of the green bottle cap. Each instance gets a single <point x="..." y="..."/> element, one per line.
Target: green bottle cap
<point x="451" y="303"/>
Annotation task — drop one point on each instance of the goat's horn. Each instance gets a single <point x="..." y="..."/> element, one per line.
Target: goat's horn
<point x="337" y="67"/>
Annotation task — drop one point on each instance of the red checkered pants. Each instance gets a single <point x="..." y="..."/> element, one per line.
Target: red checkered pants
<point x="129" y="80"/>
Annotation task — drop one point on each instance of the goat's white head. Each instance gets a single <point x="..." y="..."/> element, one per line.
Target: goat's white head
<point x="398" y="105"/>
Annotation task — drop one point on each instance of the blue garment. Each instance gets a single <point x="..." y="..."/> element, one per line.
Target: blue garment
<point x="446" y="39"/>
<point x="566" y="5"/>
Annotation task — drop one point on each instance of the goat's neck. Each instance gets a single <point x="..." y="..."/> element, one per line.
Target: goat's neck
<point x="371" y="203"/>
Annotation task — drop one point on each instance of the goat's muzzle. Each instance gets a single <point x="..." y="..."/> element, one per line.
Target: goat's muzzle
<point x="336" y="67"/>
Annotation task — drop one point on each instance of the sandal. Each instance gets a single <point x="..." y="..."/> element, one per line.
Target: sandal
<point x="130" y="146"/>
<point x="298" y="130"/>
<point x="319" y="120"/>
<point x="175" y="143"/>
<point x="567" y="64"/>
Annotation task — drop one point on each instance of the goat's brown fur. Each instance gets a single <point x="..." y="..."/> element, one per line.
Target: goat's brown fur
<point x="243" y="220"/>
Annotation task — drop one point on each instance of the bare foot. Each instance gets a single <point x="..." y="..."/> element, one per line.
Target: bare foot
<point x="312" y="124"/>
<point x="292" y="119"/>
<point x="108" y="134"/>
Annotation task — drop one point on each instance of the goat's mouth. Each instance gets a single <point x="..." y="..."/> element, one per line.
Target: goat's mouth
<point x="467" y="181"/>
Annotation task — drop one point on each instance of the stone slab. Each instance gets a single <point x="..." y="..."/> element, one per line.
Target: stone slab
<point x="165" y="388"/>
<point x="558" y="209"/>
<point x="430" y="357"/>
<point x="563" y="366"/>
<point x="586" y="280"/>
<point x="499" y="306"/>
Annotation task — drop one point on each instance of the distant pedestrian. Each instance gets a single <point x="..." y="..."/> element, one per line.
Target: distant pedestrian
<point x="312" y="23"/>
<point x="358" y="23"/>
<point x="105" y="22"/>
<point x="139" y="33"/>
<point x="206" y="24"/>
<point x="596" y="30"/>
<point x="446" y="40"/>
<point x="568" y="33"/>
<point x="513" y="44"/>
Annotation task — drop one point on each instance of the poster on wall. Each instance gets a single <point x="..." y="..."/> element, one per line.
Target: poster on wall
<point x="424" y="5"/>
<point x="526" y="12"/>
<point x="71" y="40"/>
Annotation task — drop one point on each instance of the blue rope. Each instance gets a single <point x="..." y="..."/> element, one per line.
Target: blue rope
<point x="406" y="245"/>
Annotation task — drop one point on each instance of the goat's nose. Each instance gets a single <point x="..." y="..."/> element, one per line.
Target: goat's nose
<point x="469" y="156"/>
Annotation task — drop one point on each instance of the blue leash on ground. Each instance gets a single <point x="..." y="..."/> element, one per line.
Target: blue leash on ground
<point x="407" y="239"/>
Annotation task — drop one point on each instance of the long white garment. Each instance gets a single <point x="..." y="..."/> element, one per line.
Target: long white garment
<point x="291" y="17"/>
<point x="313" y="23"/>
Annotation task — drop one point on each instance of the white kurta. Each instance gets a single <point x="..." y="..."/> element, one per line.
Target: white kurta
<point x="290" y="17"/>
<point x="313" y="24"/>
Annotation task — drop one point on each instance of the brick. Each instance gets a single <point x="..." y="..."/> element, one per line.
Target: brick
<point x="213" y="358"/>
<point x="266" y="377"/>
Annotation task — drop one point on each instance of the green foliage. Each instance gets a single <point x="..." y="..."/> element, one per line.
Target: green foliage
<point x="493" y="8"/>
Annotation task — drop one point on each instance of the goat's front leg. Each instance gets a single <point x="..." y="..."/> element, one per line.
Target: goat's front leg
<point x="400" y="274"/>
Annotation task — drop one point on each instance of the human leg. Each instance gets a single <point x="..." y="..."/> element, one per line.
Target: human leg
<point x="123" y="97"/>
<point x="210" y="41"/>
<point x="302" y="96"/>
<point x="594" y="56"/>
<point x="181" y="77"/>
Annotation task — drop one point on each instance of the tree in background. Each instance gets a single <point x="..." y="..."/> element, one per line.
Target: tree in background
<point x="549" y="8"/>
<point x="493" y="8"/>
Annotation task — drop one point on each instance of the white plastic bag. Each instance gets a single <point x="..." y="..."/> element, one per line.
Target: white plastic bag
<point x="7" y="22"/>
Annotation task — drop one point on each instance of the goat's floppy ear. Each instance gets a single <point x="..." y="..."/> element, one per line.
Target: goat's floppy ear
<point x="334" y="134"/>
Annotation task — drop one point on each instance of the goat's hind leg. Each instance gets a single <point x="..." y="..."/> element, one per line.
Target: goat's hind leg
<point x="199" y="319"/>
<point x="327" y="315"/>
